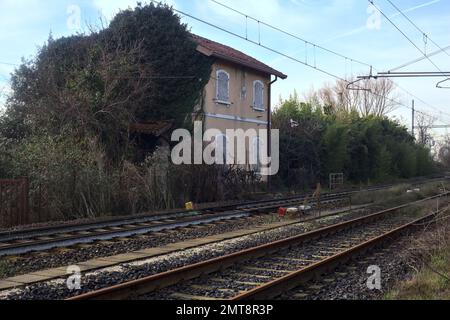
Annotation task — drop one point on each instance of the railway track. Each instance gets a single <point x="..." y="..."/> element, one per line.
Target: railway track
<point x="15" y="243"/>
<point x="271" y="269"/>
<point x="40" y="239"/>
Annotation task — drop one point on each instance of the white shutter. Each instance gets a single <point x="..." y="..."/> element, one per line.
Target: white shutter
<point x="258" y="92"/>
<point x="223" y="86"/>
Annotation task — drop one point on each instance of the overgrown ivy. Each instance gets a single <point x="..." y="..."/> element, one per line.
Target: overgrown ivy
<point x="143" y="67"/>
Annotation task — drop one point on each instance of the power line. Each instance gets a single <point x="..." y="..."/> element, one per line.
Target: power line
<point x="276" y="51"/>
<point x="8" y="63"/>
<point x="415" y="25"/>
<point x="412" y="74"/>
<point x="247" y="16"/>
<point x="420" y="59"/>
<point x="308" y="42"/>
<point x="253" y="42"/>
<point x="404" y="34"/>
<point x="290" y="34"/>
<point x="271" y="49"/>
<point x="421" y="100"/>
<point x="280" y="53"/>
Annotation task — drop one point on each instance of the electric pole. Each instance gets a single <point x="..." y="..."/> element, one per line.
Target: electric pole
<point x="413" y="116"/>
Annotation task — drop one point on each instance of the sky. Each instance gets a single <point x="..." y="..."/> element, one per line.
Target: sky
<point x="352" y="28"/>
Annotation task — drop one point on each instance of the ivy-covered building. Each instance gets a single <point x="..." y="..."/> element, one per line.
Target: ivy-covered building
<point x="238" y="93"/>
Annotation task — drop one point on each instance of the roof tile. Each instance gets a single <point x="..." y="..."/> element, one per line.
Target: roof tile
<point x="221" y="51"/>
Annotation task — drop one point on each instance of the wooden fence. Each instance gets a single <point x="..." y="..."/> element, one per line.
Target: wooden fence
<point x="14" y="202"/>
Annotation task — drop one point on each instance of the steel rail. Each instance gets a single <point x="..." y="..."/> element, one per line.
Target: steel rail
<point x="276" y="287"/>
<point x="158" y="281"/>
<point x="241" y="206"/>
<point x="41" y="239"/>
<point x="40" y="243"/>
<point x="177" y="213"/>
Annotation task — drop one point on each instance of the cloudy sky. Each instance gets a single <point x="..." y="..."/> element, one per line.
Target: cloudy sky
<point x="349" y="27"/>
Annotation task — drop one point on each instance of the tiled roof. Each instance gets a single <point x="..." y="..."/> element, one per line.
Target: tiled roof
<point x="215" y="49"/>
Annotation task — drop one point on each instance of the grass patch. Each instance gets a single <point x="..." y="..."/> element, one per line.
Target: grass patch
<point x="397" y="195"/>
<point x="431" y="283"/>
<point x="3" y="269"/>
<point x="429" y="255"/>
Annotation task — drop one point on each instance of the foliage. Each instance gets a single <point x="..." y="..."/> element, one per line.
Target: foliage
<point x="66" y="124"/>
<point x="66" y="175"/>
<point x="315" y="143"/>
<point x="143" y="67"/>
<point x="180" y="72"/>
<point x="300" y="142"/>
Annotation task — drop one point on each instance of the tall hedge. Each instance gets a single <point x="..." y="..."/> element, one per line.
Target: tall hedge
<point x="363" y="148"/>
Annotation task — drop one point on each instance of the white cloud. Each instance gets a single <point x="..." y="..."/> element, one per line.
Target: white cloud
<point x="364" y="28"/>
<point x="423" y="5"/>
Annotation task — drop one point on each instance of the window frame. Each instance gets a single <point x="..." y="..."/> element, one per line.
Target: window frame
<point x="217" y="100"/>
<point x="255" y="107"/>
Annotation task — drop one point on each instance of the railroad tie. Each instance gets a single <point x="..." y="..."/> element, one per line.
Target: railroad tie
<point x="300" y="296"/>
<point x="319" y="257"/>
<point x="182" y="296"/>
<point x="211" y="288"/>
<point x="253" y="275"/>
<point x="268" y="270"/>
<point x="307" y="261"/>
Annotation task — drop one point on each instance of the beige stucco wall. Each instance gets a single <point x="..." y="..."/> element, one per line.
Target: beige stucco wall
<point x="240" y="107"/>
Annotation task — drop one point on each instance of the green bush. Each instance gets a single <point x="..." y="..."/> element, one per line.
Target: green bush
<point x="365" y="149"/>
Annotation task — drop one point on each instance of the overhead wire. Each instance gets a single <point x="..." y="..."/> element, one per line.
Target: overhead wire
<point x="426" y="36"/>
<point x="290" y="34"/>
<point x="283" y="54"/>
<point x="405" y="35"/>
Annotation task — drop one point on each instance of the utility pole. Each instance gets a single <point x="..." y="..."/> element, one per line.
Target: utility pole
<point x="413" y="118"/>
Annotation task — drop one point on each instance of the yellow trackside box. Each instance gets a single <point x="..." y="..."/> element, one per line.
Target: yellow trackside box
<point x="189" y="206"/>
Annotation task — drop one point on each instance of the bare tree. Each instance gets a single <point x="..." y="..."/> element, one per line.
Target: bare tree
<point x="423" y="125"/>
<point x="379" y="100"/>
<point x="367" y="97"/>
<point x="444" y="153"/>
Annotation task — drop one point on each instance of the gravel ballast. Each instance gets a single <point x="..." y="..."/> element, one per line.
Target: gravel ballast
<point x="32" y="262"/>
<point x="127" y="272"/>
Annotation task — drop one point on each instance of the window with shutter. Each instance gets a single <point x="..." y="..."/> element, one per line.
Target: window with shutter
<point x="258" y="95"/>
<point x="223" y="87"/>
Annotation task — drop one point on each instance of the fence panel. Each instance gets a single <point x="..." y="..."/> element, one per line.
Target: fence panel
<point x="14" y="202"/>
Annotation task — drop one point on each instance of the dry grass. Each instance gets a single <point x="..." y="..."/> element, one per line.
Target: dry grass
<point x="3" y="266"/>
<point x="397" y="195"/>
<point x="429" y="256"/>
